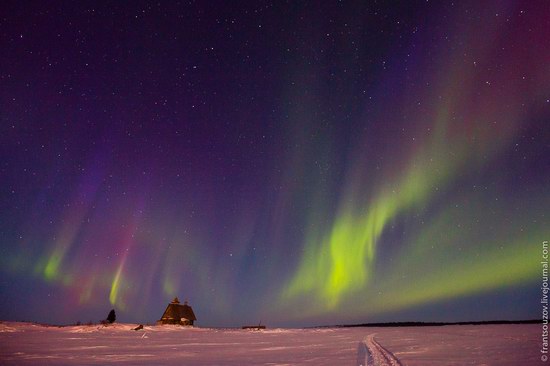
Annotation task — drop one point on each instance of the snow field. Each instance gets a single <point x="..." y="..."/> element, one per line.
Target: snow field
<point x="31" y="344"/>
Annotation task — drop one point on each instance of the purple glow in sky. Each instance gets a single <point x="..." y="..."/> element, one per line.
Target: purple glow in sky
<point x="296" y="163"/>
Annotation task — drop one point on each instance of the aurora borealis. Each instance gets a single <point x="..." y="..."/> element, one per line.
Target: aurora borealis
<point x="295" y="163"/>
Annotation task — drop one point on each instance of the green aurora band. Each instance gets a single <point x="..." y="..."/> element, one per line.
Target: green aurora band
<point x="338" y="264"/>
<point x="141" y="246"/>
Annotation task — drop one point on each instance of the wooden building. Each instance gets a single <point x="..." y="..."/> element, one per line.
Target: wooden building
<point x="177" y="313"/>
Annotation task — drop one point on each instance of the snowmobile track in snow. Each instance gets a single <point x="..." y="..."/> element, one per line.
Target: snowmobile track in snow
<point x="371" y="353"/>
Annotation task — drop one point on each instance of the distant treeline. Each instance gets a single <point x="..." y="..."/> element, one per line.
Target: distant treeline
<point x="431" y="324"/>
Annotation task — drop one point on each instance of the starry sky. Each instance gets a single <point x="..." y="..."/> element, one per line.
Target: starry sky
<point x="294" y="163"/>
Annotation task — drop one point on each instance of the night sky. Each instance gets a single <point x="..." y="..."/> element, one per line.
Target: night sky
<point x="294" y="163"/>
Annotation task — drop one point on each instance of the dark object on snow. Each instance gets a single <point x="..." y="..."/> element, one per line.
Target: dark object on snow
<point x="111" y="317"/>
<point x="139" y="327"/>
<point x="177" y="313"/>
<point x="254" y="327"/>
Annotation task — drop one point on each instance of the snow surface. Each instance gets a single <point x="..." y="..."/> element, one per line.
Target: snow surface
<point x="31" y="344"/>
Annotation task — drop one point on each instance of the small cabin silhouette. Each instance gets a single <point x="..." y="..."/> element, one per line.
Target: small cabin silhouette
<point x="177" y="313"/>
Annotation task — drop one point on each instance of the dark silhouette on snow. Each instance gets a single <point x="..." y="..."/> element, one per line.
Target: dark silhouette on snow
<point x="177" y="313"/>
<point x="111" y="317"/>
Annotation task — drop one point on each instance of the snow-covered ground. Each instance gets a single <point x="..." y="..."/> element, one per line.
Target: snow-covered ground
<point x="29" y="344"/>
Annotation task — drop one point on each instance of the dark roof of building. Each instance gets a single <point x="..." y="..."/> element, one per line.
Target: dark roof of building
<point x="176" y="311"/>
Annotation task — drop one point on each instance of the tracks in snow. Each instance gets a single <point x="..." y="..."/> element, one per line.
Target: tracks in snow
<point x="371" y="353"/>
